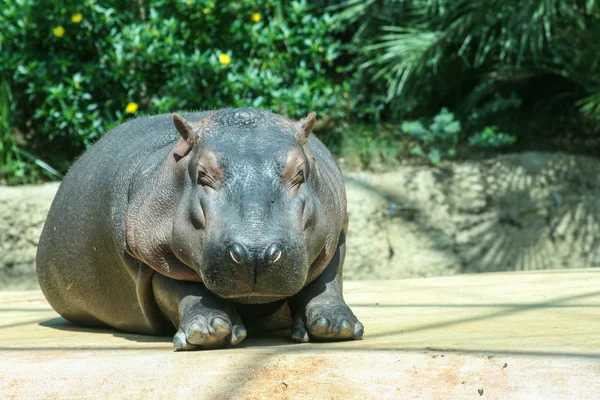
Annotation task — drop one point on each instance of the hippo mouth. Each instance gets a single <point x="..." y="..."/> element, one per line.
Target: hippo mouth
<point x="255" y="297"/>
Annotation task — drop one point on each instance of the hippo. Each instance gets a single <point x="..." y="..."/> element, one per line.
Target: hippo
<point x="199" y="225"/>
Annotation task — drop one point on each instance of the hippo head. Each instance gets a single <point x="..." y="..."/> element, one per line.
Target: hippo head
<point x="245" y="220"/>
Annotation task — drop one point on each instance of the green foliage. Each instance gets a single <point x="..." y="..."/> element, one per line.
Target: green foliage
<point x="16" y="164"/>
<point x="590" y="106"/>
<point x="438" y="141"/>
<point x="486" y="111"/>
<point x="461" y="52"/>
<point x="10" y="161"/>
<point x="76" y="68"/>
<point x="491" y="137"/>
<point x="365" y="147"/>
<point x="81" y="66"/>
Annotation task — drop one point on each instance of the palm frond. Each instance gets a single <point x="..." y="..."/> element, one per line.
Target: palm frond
<point x="494" y="39"/>
<point x="590" y="107"/>
<point x="401" y="53"/>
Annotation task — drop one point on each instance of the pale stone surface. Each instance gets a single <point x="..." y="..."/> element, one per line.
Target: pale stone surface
<point x="526" y="335"/>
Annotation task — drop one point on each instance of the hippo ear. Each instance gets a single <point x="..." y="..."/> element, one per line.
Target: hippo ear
<point x="185" y="129"/>
<point x="305" y="126"/>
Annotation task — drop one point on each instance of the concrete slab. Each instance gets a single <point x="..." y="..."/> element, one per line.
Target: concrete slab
<point x="528" y="335"/>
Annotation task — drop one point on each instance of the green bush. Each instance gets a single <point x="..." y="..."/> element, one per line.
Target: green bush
<point x="362" y="146"/>
<point x="491" y="138"/>
<point x="16" y="164"/>
<point x="73" y="69"/>
<point x="441" y="138"/>
<point x="76" y="68"/>
<point x="463" y="53"/>
<point x="437" y="141"/>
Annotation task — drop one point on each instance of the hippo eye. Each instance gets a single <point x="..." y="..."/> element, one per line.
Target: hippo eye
<point x="298" y="179"/>
<point x="204" y="179"/>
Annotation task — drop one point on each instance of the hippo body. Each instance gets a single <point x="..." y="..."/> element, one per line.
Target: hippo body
<point x="201" y="225"/>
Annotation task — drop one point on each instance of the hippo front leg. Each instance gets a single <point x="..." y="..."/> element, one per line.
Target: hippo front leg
<point x="203" y="320"/>
<point x="319" y="310"/>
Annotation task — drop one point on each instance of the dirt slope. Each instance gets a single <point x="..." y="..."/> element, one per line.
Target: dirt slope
<point x="516" y="212"/>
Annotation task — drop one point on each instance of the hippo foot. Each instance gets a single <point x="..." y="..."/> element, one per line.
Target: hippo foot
<point x="202" y="327"/>
<point x="326" y="320"/>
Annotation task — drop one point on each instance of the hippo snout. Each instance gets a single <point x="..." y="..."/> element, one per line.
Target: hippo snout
<point x="266" y="270"/>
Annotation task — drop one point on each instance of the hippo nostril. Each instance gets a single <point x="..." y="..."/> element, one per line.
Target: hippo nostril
<point x="273" y="253"/>
<point x="237" y="253"/>
<point x="235" y="257"/>
<point x="277" y="256"/>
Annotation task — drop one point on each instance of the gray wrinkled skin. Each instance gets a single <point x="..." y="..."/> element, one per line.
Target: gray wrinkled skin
<point x="199" y="225"/>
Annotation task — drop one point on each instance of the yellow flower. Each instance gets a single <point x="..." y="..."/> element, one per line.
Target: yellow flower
<point x="256" y="17"/>
<point x="76" y="18"/>
<point x="59" y="31"/>
<point x="131" y="108"/>
<point x="224" y="59"/>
